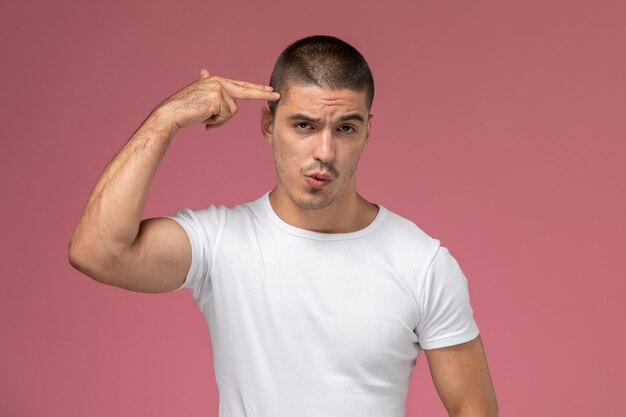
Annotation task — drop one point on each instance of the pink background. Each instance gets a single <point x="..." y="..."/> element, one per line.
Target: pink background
<point x="499" y="129"/>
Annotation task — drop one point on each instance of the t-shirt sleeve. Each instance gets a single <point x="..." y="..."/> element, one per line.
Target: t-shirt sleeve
<point x="203" y="228"/>
<point x="446" y="316"/>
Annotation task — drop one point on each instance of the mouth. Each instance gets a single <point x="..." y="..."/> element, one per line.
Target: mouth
<point x="320" y="176"/>
<point x="318" y="179"/>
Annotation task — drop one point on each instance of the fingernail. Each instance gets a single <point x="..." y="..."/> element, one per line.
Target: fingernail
<point x="269" y="87"/>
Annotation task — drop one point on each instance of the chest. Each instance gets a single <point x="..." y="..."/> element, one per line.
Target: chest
<point x="311" y="297"/>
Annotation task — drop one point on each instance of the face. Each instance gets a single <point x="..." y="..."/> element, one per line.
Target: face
<point x="317" y="137"/>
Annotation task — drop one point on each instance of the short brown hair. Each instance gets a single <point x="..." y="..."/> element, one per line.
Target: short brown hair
<point x="325" y="61"/>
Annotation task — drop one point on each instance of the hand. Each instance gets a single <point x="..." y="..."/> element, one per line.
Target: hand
<point x="211" y="100"/>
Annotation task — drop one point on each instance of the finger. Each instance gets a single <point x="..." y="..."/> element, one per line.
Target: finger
<point x="252" y="85"/>
<point x="214" y="124"/>
<point x="230" y="102"/>
<point x="215" y="119"/>
<point x="226" y="110"/>
<point x="240" y="92"/>
<point x="211" y="126"/>
<point x="247" y="84"/>
<point x="204" y="73"/>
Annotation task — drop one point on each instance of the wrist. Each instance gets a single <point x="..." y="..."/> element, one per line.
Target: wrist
<point x="162" y="122"/>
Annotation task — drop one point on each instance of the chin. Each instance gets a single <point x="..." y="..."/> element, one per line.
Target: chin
<point x="314" y="200"/>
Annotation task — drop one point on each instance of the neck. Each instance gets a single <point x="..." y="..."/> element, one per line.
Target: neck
<point x="349" y="213"/>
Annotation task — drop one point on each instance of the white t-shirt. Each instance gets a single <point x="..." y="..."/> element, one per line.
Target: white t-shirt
<point x="308" y="324"/>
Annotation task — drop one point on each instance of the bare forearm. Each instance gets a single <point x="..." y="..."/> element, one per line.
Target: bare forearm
<point x="487" y="411"/>
<point x="462" y="379"/>
<point x="478" y="403"/>
<point x="111" y="243"/>
<point x="112" y="216"/>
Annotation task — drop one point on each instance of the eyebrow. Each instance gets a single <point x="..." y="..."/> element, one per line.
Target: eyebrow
<point x="344" y="118"/>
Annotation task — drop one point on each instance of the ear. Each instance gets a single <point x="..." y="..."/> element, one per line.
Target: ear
<point x="267" y="122"/>
<point x="369" y="128"/>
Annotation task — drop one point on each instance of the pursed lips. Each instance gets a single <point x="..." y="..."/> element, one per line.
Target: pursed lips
<point x="320" y="175"/>
<point x="318" y="179"/>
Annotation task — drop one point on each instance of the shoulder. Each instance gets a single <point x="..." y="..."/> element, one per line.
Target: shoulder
<point x="405" y="242"/>
<point x="219" y="213"/>
<point x="405" y="232"/>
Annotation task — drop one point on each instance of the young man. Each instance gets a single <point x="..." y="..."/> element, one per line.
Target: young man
<point x="318" y="302"/>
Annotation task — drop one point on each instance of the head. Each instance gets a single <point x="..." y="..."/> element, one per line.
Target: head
<point x="322" y="121"/>
<point x="324" y="61"/>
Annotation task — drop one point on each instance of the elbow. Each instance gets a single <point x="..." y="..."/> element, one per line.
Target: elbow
<point x="494" y="410"/>
<point x="481" y="413"/>
<point x="484" y="408"/>
<point x="78" y="256"/>
<point x="90" y="259"/>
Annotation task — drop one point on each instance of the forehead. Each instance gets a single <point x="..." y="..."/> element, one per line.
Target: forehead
<point x="321" y="101"/>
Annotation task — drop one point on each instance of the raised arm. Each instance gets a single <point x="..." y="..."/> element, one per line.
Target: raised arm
<point x="111" y="243"/>
<point x="462" y="379"/>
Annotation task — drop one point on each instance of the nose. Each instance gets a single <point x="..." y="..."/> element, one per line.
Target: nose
<point x="324" y="148"/>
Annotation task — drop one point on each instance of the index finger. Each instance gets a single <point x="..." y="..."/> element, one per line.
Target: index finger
<point x="246" y="90"/>
<point x="248" y="84"/>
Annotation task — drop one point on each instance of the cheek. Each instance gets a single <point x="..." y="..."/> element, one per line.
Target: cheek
<point x="351" y="161"/>
<point x="284" y="157"/>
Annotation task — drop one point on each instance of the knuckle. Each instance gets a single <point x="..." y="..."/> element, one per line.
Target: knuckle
<point x="212" y="95"/>
<point x="219" y="86"/>
<point x="214" y="85"/>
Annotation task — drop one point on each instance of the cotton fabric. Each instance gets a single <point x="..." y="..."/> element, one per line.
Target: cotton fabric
<point x="311" y="324"/>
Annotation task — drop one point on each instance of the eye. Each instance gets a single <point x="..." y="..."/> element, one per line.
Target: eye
<point x="302" y="126"/>
<point x="347" y="129"/>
